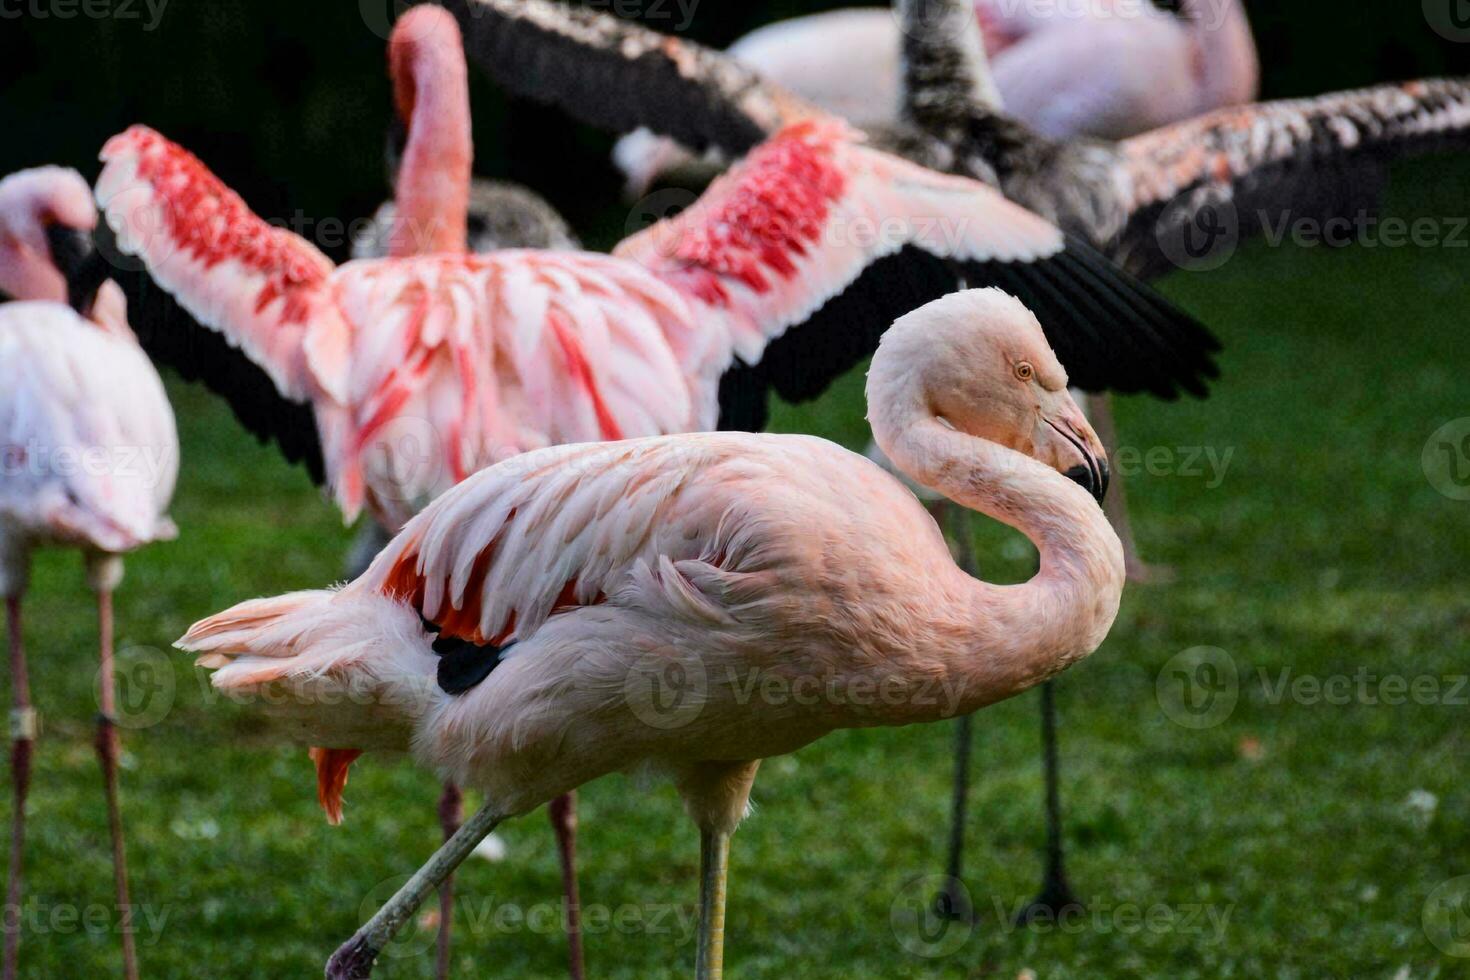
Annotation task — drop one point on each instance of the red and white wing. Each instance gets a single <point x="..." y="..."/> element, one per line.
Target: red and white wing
<point x="558" y="528"/>
<point x="265" y="289"/>
<point x="460" y="362"/>
<point x="816" y="230"/>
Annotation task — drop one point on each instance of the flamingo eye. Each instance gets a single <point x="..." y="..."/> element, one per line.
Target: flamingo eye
<point x="1024" y="371"/>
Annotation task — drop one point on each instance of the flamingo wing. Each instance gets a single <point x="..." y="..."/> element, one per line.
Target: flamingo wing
<point x="620" y="76"/>
<point x="807" y="250"/>
<point x="246" y="307"/>
<point x="566" y="527"/>
<point x="1319" y="157"/>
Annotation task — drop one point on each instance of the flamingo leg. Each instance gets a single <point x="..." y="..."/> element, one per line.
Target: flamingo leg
<point x="107" y="751"/>
<point x="451" y="815"/>
<point x="1115" y="505"/>
<point x="1056" y="893"/>
<point x="563" y="813"/>
<point x="22" y="736"/>
<point x="353" y="960"/>
<point x="952" y="902"/>
<point x="714" y="865"/>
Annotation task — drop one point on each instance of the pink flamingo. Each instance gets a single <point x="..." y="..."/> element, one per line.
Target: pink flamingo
<point x="436" y="199"/>
<point x="513" y="630"/>
<point x="1104" y="69"/>
<point x="89" y="454"/>
<point x="418" y="370"/>
<point x="1146" y="202"/>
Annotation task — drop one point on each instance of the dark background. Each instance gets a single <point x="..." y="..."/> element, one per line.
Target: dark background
<point x="288" y="101"/>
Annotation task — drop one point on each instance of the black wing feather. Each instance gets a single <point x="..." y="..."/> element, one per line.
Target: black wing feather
<point x="170" y="336"/>
<point x="618" y="75"/>
<point x="1110" y="332"/>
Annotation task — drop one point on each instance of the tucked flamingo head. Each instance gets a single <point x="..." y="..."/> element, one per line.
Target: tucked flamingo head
<point x="979" y="362"/>
<point x="46" y="221"/>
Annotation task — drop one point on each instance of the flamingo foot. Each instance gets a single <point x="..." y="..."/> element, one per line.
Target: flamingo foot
<point x="1056" y="900"/>
<point x="352" y="961"/>
<point x="952" y="904"/>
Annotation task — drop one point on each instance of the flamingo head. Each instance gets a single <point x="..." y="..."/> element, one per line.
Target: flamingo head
<point x="983" y="366"/>
<point x="47" y="216"/>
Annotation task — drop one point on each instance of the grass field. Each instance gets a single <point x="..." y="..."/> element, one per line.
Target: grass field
<point x="1295" y="838"/>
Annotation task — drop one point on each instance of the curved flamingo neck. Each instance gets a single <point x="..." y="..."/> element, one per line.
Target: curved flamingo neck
<point x="996" y="641"/>
<point x="431" y="93"/>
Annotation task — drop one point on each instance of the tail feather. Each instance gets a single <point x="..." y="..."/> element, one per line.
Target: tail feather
<point x="331" y="779"/>
<point x="351" y="670"/>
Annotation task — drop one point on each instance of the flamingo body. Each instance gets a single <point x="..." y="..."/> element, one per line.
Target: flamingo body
<point x="90" y="449"/>
<point x="506" y="633"/>
<point x="741" y="555"/>
<point x="88" y="459"/>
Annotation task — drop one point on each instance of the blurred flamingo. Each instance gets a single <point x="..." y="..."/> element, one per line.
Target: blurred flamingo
<point x="89" y="454"/>
<point x="1104" y="69"/>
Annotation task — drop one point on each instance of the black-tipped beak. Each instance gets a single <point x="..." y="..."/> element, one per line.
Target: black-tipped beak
<point x="82" y="266"/>
<point x="1093" y="478"/>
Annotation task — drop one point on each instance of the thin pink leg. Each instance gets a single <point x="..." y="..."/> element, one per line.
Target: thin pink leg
<point x="563" y="813"/>
<point x="22" y="735"/>
<point x="107" y="751"/>
<point x="451" y="814"/>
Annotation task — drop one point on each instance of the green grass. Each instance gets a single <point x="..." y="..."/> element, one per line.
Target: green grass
<point x="1324" y="550"/>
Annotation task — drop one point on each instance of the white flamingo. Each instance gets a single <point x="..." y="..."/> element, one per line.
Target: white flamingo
<point x="88" y="459"/>
<point x="509" y="634"/>
<point x="1104" y="69"/>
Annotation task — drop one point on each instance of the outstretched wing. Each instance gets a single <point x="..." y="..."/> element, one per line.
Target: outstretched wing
<point x="807" y="251"/>
<point x="619" y="76"/>
<point x="1317" y="158"/>
<point x="248" y="308"/>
